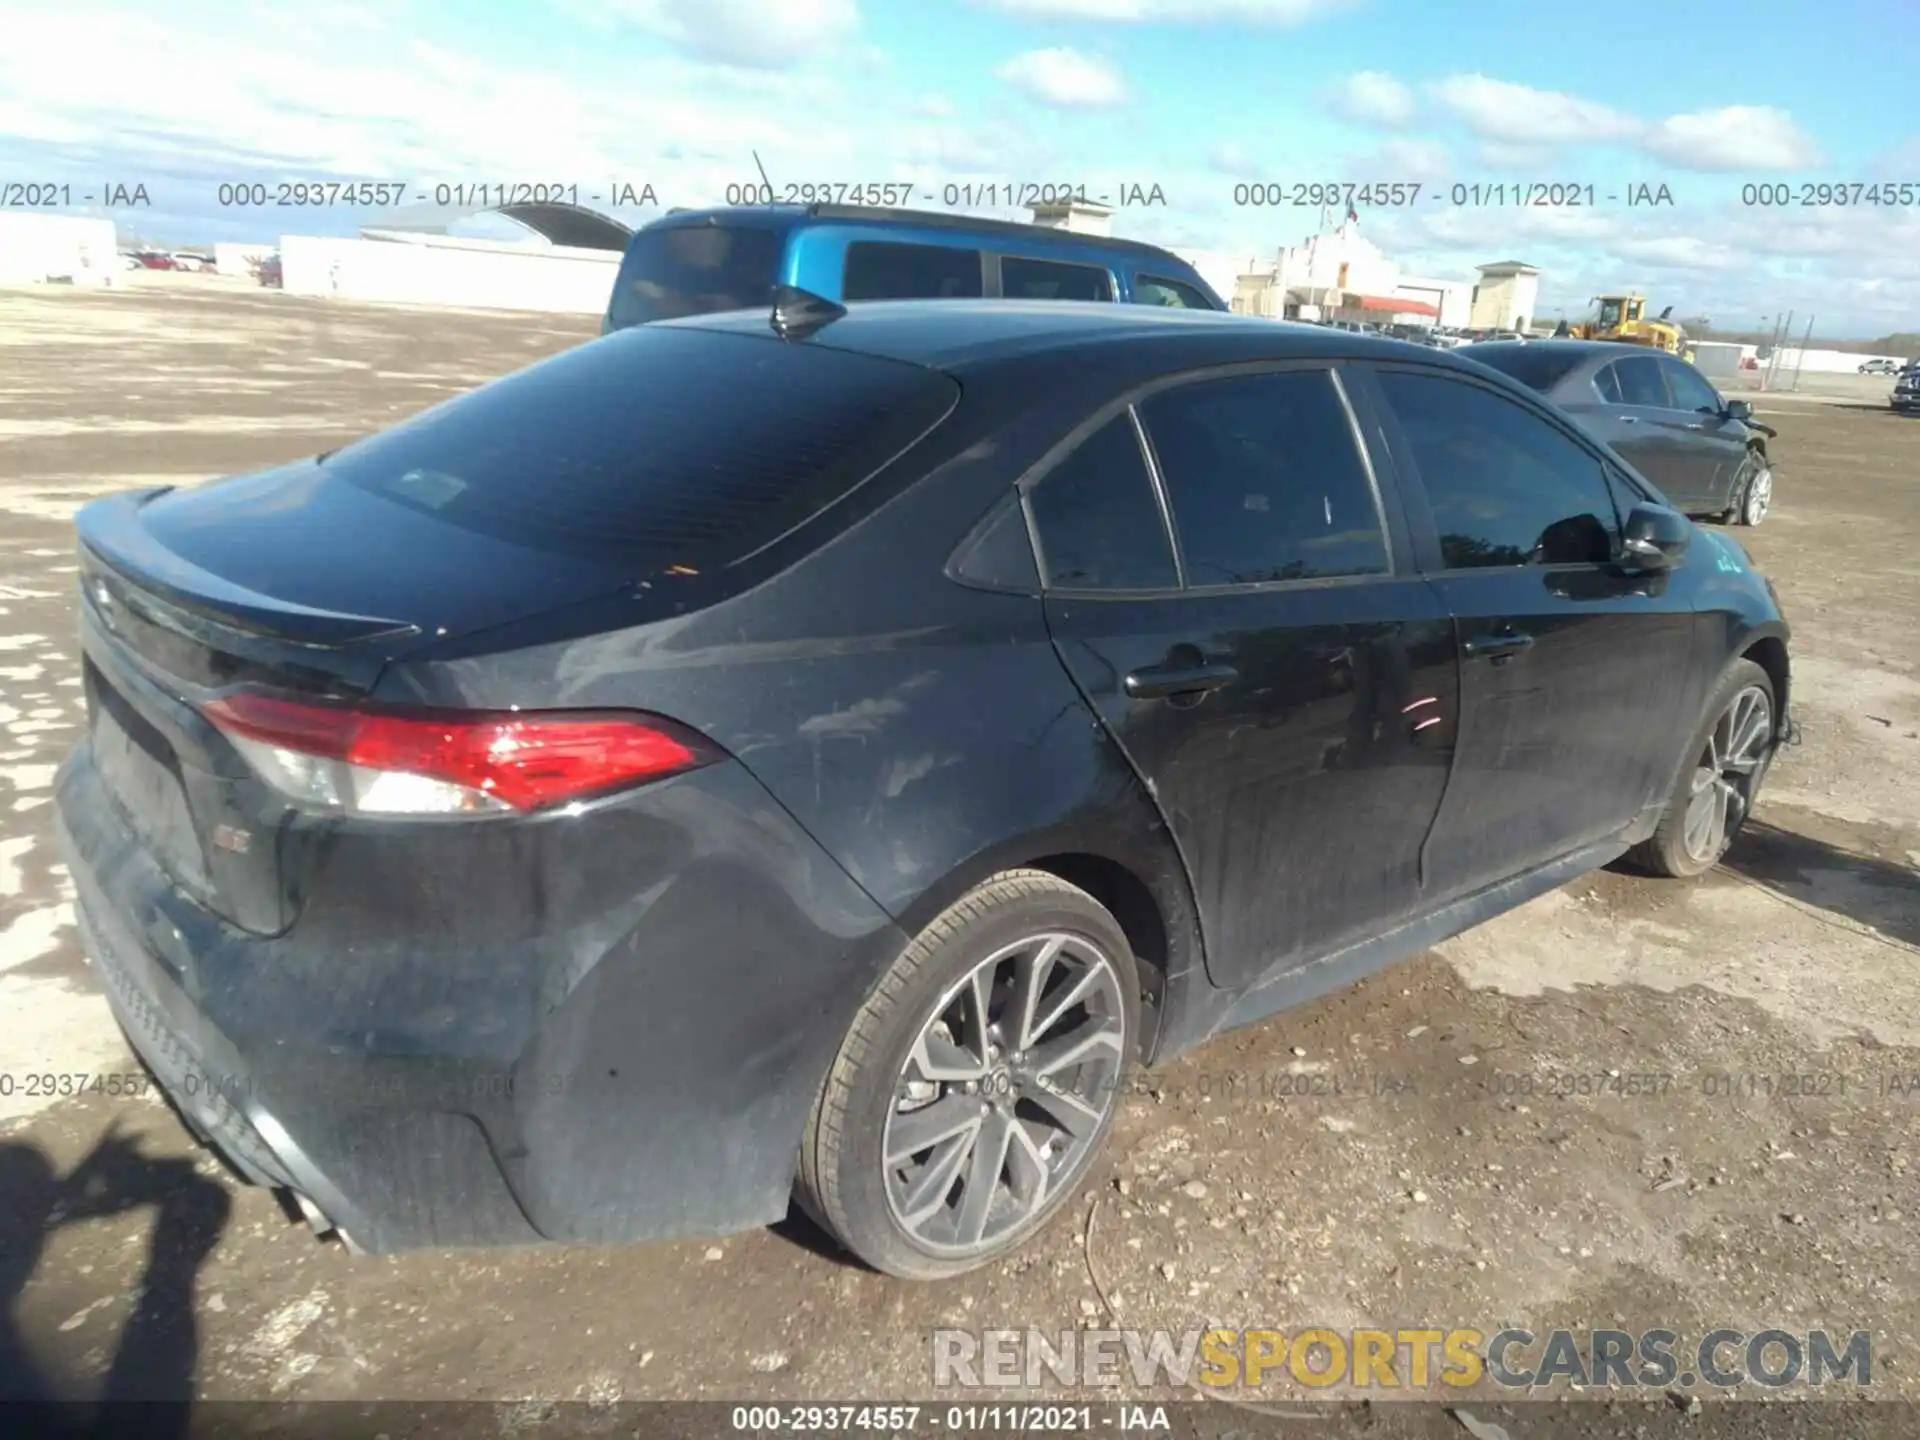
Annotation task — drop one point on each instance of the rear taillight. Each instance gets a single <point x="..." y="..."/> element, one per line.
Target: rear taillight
<point x="378" y="762"/>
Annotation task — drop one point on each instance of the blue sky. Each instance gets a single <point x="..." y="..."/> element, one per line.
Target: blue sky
<point x="1195" y="96"/>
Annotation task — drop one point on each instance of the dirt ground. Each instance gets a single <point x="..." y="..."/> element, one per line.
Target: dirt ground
<point x="1414" y="1152"/>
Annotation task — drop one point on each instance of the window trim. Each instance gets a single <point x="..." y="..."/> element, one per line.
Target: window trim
<point x="1036" y="475"/>
<point x="1129" y="400"/>
<point x="1412" y="487"/>
<point x="1000" y="258"/>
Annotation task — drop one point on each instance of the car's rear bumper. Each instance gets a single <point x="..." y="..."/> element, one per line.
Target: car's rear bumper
<point x="634" y="1069"/>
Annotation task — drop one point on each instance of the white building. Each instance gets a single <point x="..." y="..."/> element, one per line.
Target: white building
<point x="1339" y="275"/>
<point x="241" y="260"/>
<point x="1453" y="299"/>
<point x="566" y="264"/>
<point x="1507" y="297"/>
<point x="66" y="249"/>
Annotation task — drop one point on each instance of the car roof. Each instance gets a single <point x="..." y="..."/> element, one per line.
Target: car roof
<point x="787" y="217"/>
<point x="954" y="335"/>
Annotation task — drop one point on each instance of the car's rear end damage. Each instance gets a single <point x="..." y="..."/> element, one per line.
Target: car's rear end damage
<point x="448" y="976"/>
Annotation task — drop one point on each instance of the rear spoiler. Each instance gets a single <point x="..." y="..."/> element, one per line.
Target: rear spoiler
<point x="112" y="535"/>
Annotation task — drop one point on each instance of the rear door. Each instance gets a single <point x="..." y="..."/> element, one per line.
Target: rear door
<point x="1280" y="680"/>
<point x="1713" y="443"/>
<point x="1571" y="668"/>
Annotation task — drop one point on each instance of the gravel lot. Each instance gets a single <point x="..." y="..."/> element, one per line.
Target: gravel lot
<point x="1400" y="1155"/>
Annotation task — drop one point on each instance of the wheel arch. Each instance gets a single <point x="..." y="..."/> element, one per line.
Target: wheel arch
<point x="1769" y="652"/>
<point x="1142" y="884"/>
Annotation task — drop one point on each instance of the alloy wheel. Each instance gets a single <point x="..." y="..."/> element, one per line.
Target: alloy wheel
<point x="1727" y="774"/>
<point x="1005" y="1093"/>
<point x="1758" y="495"/>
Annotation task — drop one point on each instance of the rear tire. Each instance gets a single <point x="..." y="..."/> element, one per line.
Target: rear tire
<point x="979" y="1082"/>
<point x="1726" y="761"/>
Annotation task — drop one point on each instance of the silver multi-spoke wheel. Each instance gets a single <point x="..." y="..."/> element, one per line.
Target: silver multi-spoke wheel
<point x="1727" y="774"/>
<point x="1758" y="494"/>
<point x="1005" y="1091"/>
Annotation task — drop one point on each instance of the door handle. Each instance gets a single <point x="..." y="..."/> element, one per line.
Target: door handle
<point x="1629" y="419"/>
<point x="1157" y="682"/>
<point x="1696" y="425"/>
<point x="1497" y="647"/>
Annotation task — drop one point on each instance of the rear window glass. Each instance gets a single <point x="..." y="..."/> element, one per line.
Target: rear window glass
<point x="694" y="270"/>
<point x="1538" y="367"/>
<point x="656" y="446"/>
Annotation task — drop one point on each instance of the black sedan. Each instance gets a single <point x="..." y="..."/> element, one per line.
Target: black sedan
<point x="1705" y="453"/>
<point x="735" y="761"/>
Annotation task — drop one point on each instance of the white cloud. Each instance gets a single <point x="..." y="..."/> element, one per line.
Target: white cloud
<point x="1399" y="159"/>
<point x="1738" y="137"/>
<point x="1230" y="159"/>
<point x="1065" y="78"/>
<point x="1171" y="12"/>
<point x="1501" y="110"/>
<point x="1678" y="252"/>
<point x="1523" y="124"/>
<point x="762" y="34"/>
<point x="1374" y="98"/>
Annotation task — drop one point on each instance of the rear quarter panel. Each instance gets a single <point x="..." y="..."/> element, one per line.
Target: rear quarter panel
<point x="923" y="732"/>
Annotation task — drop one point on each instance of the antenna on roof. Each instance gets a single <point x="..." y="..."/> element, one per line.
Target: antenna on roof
<point x="799" y="313"/>
<point x="763" y="174"/>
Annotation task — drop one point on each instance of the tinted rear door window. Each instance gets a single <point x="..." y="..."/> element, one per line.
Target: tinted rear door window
<point x="1265" y="480"/>
<point x="1505" y="487"/>
<point x="656" y="445"/>
<point x="878" y="270"/>
<point x="1050" y="280"/>
<point x="1098" y="519"/>
<point x="695" y="270"/>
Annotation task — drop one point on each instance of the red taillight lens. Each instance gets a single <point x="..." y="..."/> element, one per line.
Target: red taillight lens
<point x="362" y="759"/>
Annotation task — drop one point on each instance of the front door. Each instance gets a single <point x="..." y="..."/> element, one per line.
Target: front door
<point x="1638" y="421"/>
<point x="1713" y="442"/>
<point x="1286" y="690"/>
<point x="1571" y="666"/>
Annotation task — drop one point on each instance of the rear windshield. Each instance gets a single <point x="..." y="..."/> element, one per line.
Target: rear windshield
<point x="1540" y="367"/>
<point x="656" y="446"/>
<point x="694" y="269"/>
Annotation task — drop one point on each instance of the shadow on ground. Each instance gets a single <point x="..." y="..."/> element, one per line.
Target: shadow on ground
<point x="158" y="1351"/>
<point x="1874" y="892"/>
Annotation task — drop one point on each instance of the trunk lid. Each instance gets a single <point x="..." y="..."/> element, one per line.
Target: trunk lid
<point x="277" y="580"/>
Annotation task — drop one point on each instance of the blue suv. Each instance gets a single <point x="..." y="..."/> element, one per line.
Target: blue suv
<point x="697" y="261"/>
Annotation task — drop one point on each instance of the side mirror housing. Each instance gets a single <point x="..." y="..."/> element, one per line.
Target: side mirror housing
<point x="1739" y="410"/>
<point x="1654" y="537"/>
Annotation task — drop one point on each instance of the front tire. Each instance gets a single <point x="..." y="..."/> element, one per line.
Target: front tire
<point x="1717" y="787"/>
<point x="979" y="1081"/>
<point x="1753" y="491"/>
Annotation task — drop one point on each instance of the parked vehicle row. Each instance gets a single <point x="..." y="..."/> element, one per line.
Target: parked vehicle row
<point x="820" y="752"/>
